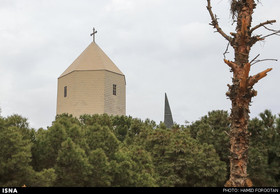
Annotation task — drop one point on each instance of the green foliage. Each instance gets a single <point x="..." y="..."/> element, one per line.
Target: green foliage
<point x="103" y="120"/>
<point x="44" y="178"/>
<point x="213" y="129"/>
<point x="15" y="156"/>
<point x="133" y="167"/>
<point x="120" y="151"/>
<point x="181" y="161"/>
<point x="100" y="172"/>
<point x="101" y="137"/>
<point x="40" y="151"/>
<point x="264" y="155"/>
<point x="72" y="167"/>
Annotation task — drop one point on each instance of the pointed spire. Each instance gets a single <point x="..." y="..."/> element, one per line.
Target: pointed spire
<point x="168" y="120"/>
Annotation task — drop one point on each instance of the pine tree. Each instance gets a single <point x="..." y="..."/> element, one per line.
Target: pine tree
<point x="72" y="166"/>
<point x="15" y="157"/>
<point x="241" y="91"/>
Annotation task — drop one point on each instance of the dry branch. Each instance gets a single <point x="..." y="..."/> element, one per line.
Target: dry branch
<point x="253" y="80"/>
<point x="254" y="58"/>
<point x="262" y="24"/>
<point x="257" y="38"/>
<point x="231" y="64"/>
<point x="215" y="23"/>
<point x="274" y="33"/>
<point x="226" y="51"/>
<point x="258" y="61"/>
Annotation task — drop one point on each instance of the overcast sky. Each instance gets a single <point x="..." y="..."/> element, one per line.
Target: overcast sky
<point x="160" y="45"/>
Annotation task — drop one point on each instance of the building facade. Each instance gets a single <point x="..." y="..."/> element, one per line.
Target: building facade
<point x="92" y="84"/>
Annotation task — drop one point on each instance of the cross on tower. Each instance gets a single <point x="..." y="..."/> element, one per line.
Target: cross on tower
<point x="93" y="34"/>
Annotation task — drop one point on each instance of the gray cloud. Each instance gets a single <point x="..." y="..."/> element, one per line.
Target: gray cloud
<point x="166" y="43"/>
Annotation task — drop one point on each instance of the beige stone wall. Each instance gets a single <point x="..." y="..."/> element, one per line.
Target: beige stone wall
<point x="85" y="93"/>
<point x="115" y="104"/>
<point x="91" y="92"/>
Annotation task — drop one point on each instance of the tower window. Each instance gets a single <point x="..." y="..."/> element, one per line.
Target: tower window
<point x="65" y="91"/>
<point x="114" y="89"/>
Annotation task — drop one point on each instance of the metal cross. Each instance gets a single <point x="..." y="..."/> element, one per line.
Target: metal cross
<point x="93" y="34"/>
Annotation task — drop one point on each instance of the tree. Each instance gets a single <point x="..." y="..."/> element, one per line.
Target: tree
<point x="144" y="171"/>
<point x="213" y="129"/>
<point x="103" y="120"/>
<point x="15" y="156"/>
<point x="182" y="161"/>
<point x="102" y="137"/>
<point x="51" y="143"/>
<point x="100" y="172"/>
<point x="21" y="124"/>
<point x="41" y="151"/>
<point x="44" y="178"/>
<point x="241" y="91"/>
<point x="72" y="167"/>
<point x="132" y="167"/>
<point x="264" y="153"/>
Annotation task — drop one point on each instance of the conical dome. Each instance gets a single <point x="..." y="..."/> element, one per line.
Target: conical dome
<point x="92" y="58"/>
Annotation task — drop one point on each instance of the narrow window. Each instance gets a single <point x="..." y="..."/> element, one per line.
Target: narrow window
<point x="114" y="89"/>
<point x="65" y="91"/>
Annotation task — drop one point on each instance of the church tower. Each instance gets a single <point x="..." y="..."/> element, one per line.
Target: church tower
<point x="92" y="84"/>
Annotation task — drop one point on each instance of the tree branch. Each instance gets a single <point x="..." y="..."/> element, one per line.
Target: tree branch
<point x="226" y="51"/>
<point x="254" y="59"/>
<point x="272" y="30"/>
<point x="262" y="24"/>
<point x="257" y="61"/>
<point x="215" y="23"/>
<point x="231" y="64"/>
<point x="253" y="80"/>
<point x="274" y="33"/>
<point x="255" y="39"/>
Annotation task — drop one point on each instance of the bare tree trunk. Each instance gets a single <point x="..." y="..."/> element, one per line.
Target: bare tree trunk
<point x="241" y="91"/>
<point x="240" y="96"/>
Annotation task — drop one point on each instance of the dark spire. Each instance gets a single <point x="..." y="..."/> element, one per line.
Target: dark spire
<point x="168" y="120"/>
